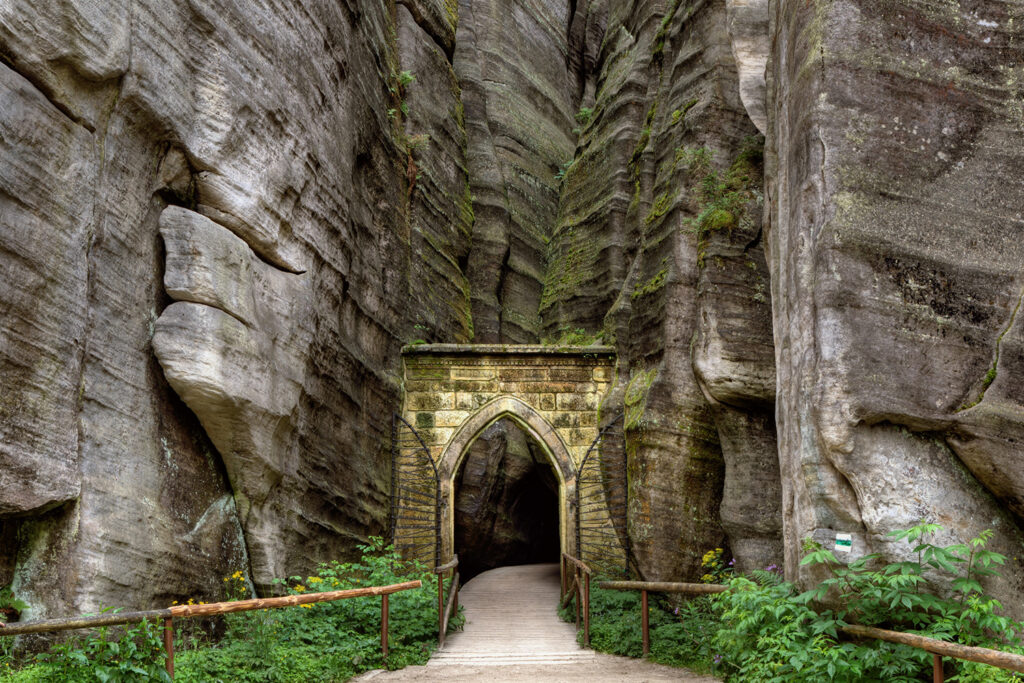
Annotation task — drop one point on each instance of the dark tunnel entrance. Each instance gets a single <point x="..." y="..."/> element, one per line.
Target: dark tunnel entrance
<point x="506" y="503"/>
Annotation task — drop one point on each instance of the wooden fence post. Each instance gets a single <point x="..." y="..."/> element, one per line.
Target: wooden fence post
<point x="169" y="646"/>
<point x="644" y="622"/>
<point x="384" y="624"/>
<point x="586" y="610"/>
<point x="440" y="610"/>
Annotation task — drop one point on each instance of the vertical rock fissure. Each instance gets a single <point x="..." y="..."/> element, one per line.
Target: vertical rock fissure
<point x="990" y="375"/>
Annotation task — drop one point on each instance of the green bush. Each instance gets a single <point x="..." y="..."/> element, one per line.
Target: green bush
<point x="770" y="633"/>
<point x="131" y="653"/>
<point x="763" y="629"/>
<point x="327" y="641"/>
<point x="323" y="642"/>
<point x="679" y="635"/>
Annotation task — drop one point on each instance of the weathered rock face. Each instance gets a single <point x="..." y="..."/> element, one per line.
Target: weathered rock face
<point x="506" y="503"/>
<point x="640" y="253"/>
<point x="277" y="287"/>
<point x="897" y="269"/>
<point x="220" y="221"/>
<point x="518" y="95"/>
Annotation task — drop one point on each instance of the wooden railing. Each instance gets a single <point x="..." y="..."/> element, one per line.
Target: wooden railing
<point x="169" y="614"/>
<point x="445" y="610"/>
<point x="938" y="648"/>
<point x="581" y="591"/>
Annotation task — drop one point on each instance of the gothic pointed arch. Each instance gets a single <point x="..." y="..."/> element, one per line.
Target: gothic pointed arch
<point x="524" y="415"/>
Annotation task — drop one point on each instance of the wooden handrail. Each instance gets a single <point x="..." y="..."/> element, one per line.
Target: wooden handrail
<point x="452" y="603"/>
<point x="450" y="564"/>
<point x="569" y="594"/>
<point x="211" y="609"/>
<point x="982" y="655"/>
<point x="72" y="623"/>
<point x="579" y="563"/>
<point x="663" y="586"/>
<point x="214" y="608"/>
<point x="938" y="648"/>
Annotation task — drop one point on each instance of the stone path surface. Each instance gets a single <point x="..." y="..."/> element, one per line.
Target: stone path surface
<point x="513" y="633"/>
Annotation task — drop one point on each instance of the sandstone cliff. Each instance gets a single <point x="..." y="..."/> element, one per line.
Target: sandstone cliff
<point x="220" y="221"/>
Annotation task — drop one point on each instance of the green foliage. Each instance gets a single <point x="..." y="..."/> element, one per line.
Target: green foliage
<point x="575" y="337"/>
<point x="721" y="198"/>
<point x="764" y="630"/>
<point x="405" y="78"/>
<point x="9" y="604"/>
<point x="678" y="635"/>
<point x="650" y="286"/>
<point x="321" y="642"/>
<point x="770" y="633"/>
<point x="328" y="641"/>
<point x="583" y="117"/>
<point x="716" y="570"/>
<point x="659" y="39"/>
<point x="131" y="653"/>
<point x="679" y="114"/>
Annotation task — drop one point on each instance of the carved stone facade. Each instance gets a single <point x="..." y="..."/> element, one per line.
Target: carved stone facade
<point x="453" y="392"/>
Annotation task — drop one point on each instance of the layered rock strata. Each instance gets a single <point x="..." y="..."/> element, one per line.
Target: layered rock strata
<point x="895" y="194"/>
<point x="219" y="224"/>
<point x="635" y="258"/>
<point x="242" y="191"/>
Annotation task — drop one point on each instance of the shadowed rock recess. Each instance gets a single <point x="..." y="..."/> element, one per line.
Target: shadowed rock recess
<point x="798" y="223"/>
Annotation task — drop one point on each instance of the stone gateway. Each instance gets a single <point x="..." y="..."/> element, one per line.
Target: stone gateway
<point x="453" y="392"/>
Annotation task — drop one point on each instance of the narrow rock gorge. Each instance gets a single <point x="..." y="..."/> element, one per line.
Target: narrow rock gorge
<point x="798" y="223"/>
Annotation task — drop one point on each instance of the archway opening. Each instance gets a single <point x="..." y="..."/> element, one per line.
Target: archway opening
<point x="506" y="502"/>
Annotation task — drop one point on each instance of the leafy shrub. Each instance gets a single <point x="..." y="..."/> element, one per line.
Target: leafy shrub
<point x="322" y="642"/>
<point x="763" y="629"/>
<point x="721" y="199"/>
<point x="129" y="653"/>
<point x="679" y="635"/>
<point x="771" y="633"/>
<point x="328" y="641"/>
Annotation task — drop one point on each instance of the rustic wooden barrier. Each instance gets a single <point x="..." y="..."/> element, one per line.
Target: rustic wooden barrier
<point x="938" y="648"/>
<point x="444" y="611"/>
<point x="211" y="609"/>
<point x="580" y="569"/>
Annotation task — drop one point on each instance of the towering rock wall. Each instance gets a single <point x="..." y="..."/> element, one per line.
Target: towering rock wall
<point x="658" y="247"/>
<point x="896" y="193"/>
<point x="219" y="224"/>
<point x="518" y="95"/>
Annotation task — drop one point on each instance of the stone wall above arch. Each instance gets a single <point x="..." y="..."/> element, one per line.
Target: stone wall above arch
<point x="447" y="384"/>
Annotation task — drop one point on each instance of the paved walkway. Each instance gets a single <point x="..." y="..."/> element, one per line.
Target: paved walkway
<point x="513" y="633"/>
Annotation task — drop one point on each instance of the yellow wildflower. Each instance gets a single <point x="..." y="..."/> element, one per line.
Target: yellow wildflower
<point x="299" y="588"/>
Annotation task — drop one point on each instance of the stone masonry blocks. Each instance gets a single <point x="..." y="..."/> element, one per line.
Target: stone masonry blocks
<point x="446" y="384"/>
